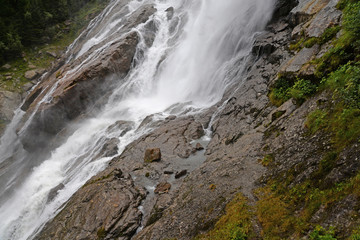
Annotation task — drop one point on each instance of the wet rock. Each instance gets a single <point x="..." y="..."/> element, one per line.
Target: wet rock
<point x="169" y="13"/>
<point x="9" y="101"/>
<point x="162" y="188"/>
<point x="110" y="148"/>
<point x="180" y="174"/>
<point x="78" y="93"/>
<point x="105" y="206"/>
<point x="170" y="118"/>
<point x="282" y="8"/>
<point x="168" y="172"/>
<point x="120" y="126"/>
<point x="30" y="75"/>
<point x="53" y="192"/>
<point x="152" y="155"/>
<point x="199" y="147"/>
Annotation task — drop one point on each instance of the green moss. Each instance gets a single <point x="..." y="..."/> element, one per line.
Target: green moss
<point x="286" y="88"/>
<point x="101" y="233"/>
<point x="317" y="120"/>
<point x="268" y="159"/>
<point x="156" y="214"/>
<point x="355" y="234"/>
<point x="235" y="224"/>
<point x="320" y="233"/>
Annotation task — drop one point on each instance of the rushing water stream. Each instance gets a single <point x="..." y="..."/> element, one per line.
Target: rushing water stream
<point x="196" y="55"/>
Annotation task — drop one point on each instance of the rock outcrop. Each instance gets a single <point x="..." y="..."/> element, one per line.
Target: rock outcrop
<point x="70" y="91"/>
<point x="112" y="212"/>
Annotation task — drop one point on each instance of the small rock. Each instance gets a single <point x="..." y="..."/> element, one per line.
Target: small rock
<point x="8" y="77"/>
<point x="53" y="192"/>
<point x="32" y="66"/>
<point x="180" y="174"/>
<point x="52" y="54"/>
<point x="27" y="86"/>
<point x="169" y="13"/>
<point x="6" y="66"/>
<point x="152" y="155"/>
<point x="199" y="147"/>
<point x="30" y="75"/>
<point x="118" y="173"/>
<point x="40" y="71"/>
<point x="162" y="188"/>
<point x="171" y="117"/>
<point x="168" y="172"/>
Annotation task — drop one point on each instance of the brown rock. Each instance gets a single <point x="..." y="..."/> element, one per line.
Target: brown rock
<point x="180" y="174"/>
<point x="152" y="155"/>
<point x="162" y="188"/>
<point x="107" y="204"/>
<point x="199" y="147"/>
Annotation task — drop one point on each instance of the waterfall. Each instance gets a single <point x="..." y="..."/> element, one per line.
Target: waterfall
<point x="196" y="55"/>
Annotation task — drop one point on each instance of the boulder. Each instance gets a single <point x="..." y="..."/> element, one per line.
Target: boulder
<point x="301" y="58"/>
<point x="106" y="207"/>
<point x="163" y="187"/>
<point x="52" y="54"/>
<point x="30" y="75"/>
<point x="199" y="147"/>
<point x="169" y="13"/>
<point x="180" y="174"/>
<point x="152" y="155"/>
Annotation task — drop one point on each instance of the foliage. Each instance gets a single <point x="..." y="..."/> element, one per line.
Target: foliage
<point x="320" y="233"/>
<point x="234" y="225"/>
<point x="302" y="89"/>
<point x="316" y="120"/>
<point x="355" y="234"/>
<point x="286" y="88"/>
<point x="345" y="83"/>
<point x="268" y="159"/>
<point x="26" y="23"/>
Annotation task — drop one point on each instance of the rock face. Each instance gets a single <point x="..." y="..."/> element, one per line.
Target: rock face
<point x="78" y="91"/>
<point x="247" y="128"/>
<point x="110" y="213"/>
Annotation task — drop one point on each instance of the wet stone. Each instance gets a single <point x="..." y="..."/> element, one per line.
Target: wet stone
<point x="180" y="174"/>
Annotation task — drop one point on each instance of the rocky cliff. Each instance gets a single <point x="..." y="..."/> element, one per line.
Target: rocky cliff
<point x="271" y="151"/>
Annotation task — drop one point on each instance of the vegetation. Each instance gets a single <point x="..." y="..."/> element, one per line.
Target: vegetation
<point x="26" y="23"/>
<point x="37" y="53"/>
<point x="234" y="225"/>
<point x="285" y="88"/>
<point x="285" y="208"/>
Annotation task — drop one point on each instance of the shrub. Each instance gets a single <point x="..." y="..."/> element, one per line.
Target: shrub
<point x="322" y="234"/>
<point x="352" y="19"/>
<point x="317" y="120"/>
<point x="302" y="89"/>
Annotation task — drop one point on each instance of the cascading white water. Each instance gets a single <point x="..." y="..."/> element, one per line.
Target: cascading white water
<point x="189" y="65"/>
